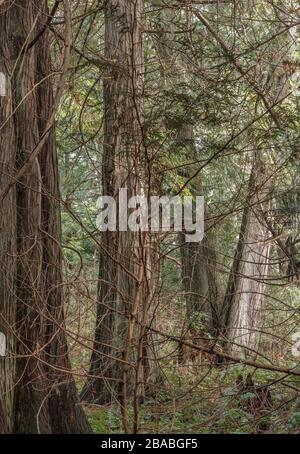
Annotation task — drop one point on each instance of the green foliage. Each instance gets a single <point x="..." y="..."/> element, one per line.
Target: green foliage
<point x="98" y="418"/>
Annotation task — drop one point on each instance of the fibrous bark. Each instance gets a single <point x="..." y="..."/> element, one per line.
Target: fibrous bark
<point x="244" y="300"/>
<point x="125" y="291"/>
<point x="44" y="397"/>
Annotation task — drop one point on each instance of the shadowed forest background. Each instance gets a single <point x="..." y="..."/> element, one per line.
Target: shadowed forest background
<point x="145" y="332"/>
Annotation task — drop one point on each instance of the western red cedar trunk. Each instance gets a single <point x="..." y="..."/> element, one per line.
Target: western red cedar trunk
<point x="244" y="300"/>
<point x="126" y="273"/>
<point x="200" y="282"/>
<point x="66" y="415"/>
<point x="31" y="409"/>
<point x="200" y="277"/>
<point x="45" y="396"/>
<point x="7" y="238"/>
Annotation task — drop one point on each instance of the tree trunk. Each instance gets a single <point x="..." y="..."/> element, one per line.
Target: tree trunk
<point x="243" y="304"/>
<point x="200" y="277"/>
<point x="66" y="414"/>
<point x="126" y="274"/>
<point x="244" y="300"/>
<point x="45" y="397"/>
<point x="7" y="238"/>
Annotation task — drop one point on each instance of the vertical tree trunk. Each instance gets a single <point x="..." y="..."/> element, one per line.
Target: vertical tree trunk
<point x="243" y="304"/>
<point x="7" y="237"/>
<point x="244" y="300"/>
<point x="200" y="277"/>
<point x="126" y="273"/>
<point x="201" y="283"/>
<point x="45" y="398"/>
<point x="66" y="415"/>
<point x="31" y="409"/>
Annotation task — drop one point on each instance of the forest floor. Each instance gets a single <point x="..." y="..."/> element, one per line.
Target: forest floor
<point x="199" y="397"/>
<point x="207" y="399"/>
